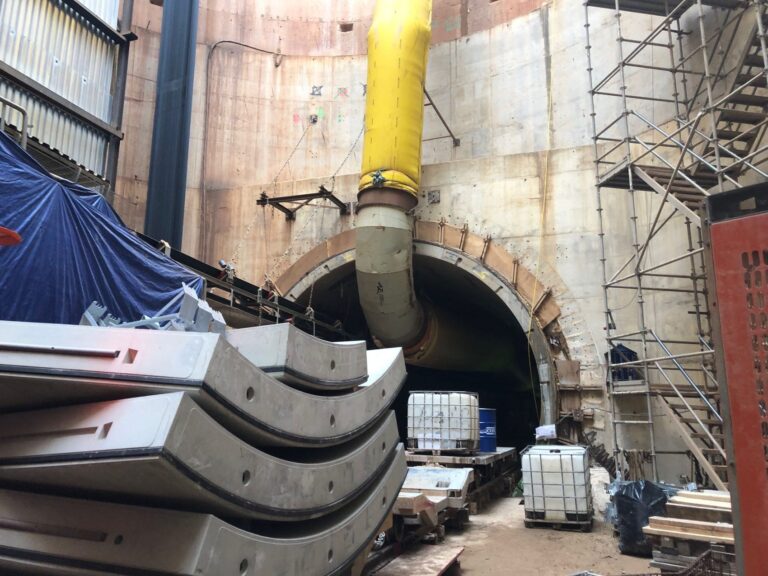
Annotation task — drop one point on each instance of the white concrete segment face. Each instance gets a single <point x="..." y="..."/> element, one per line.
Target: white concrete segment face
<point x="300" y="359"/>
<point x="55" y="536"/>
<point x="450" y="483"/>
<point x="184" y="459"/>
<point x="49" y="364"/>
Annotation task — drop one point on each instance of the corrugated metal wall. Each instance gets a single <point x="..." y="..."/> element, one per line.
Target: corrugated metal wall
<point x="60" y="131"/>
<point x="46" y="41"/>
<point x="107" y="10"/>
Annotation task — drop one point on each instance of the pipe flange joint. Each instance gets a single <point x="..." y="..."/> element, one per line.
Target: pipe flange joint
<point x="378" y="179"/>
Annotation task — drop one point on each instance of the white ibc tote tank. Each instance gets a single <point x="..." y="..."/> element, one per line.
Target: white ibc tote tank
<point x="443" y="421"/>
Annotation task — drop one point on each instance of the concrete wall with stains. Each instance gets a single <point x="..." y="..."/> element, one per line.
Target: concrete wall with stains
<point x="510" y="78"/>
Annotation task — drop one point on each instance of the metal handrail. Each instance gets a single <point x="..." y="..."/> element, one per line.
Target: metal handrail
<point x="685" y="375"/>
<point x="739" y="159"/>
<point x="4" y="102"/>
<point x="711" y="438"/>
<point x="685" y="149"/>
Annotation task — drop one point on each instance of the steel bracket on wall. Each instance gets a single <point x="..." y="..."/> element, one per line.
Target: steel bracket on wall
<point x="430" y="102"/>
<point x="279" y="202"/>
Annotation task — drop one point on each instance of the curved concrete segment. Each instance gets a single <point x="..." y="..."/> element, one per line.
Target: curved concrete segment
<point x="49" y="364"/>
<point x="300" y="359"/>
<point x="183" y="458"/>
<point x="56" y="536"/>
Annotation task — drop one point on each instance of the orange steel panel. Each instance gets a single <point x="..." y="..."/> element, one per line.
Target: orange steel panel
<point x="740" y="255"/>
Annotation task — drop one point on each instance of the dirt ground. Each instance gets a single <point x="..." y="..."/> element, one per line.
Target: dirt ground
<point x="496" y="542"/>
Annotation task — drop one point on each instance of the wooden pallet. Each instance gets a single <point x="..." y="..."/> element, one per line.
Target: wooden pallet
<point x="424" y="561"/>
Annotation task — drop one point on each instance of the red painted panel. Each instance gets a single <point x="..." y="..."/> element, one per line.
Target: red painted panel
<point x="740" y="254"/>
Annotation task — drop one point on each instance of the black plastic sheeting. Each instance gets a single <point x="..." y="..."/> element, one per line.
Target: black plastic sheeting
<point x="633" y="504"/>
<point x="74" y="250"/>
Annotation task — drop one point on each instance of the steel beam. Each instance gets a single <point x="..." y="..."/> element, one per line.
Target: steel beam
<point x="118" y="101"/>
<point x="170" y="133"/>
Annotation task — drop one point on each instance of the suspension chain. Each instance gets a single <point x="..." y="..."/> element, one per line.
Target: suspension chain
<point x="249" y="227"/>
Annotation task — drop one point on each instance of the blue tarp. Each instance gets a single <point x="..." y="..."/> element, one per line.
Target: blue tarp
<point x="74" y="250"/>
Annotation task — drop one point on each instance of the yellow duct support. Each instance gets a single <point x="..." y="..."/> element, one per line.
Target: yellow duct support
<point x="398" y="43"/>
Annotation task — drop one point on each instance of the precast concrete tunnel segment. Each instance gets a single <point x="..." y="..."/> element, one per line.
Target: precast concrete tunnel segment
<point x="398" y="46"/>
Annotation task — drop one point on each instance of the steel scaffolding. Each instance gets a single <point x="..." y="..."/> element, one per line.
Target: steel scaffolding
<point x="703" y="68"/>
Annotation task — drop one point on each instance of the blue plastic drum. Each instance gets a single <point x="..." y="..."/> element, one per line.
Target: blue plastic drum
<point x="487" y="430"/>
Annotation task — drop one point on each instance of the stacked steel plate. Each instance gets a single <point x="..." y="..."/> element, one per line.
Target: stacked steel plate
<point x="262" y="451"/>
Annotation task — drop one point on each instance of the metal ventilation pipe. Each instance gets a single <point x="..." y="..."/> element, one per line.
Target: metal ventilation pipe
<point x="398" y="43"/>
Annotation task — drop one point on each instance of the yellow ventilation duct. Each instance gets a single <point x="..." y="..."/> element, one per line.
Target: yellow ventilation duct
<point x="398" y="42"/>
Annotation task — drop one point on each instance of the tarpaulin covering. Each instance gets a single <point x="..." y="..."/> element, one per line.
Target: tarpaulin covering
<point x="74" y="250"/>
<point x="635" y="502"/>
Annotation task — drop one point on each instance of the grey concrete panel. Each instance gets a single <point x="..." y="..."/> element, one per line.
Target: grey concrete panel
<point x="56" y="536"/>
<point x="183" y="459"/>
<point x="300" y="359"/>
<point x="48" y="365"/>
<point x="451" y="483"/>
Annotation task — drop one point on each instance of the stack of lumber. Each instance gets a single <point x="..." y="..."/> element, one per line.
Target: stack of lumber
<point x="706" y="506"/>
<point x="696" y="523"/>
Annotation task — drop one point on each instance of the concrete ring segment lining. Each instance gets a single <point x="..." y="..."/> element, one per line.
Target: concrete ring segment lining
<point x="39" y="367"/>
<point x="184" y="458"/>
<point x="472" y="266"/>
<point x="61" y="536"/>
<point x="300" y="359"/>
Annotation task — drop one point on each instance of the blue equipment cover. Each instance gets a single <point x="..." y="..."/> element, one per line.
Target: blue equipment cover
<point x="74" y="250"/>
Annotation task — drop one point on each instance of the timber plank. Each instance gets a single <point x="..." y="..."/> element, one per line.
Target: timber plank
<point x="423" y="561"/>
<point x="689" y="535"/>
<point x="694" y="512"/>
<point x="683" y="529"/>
<point x="712" y="495"/>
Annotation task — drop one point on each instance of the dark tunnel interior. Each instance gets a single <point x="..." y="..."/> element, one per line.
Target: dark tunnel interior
<point x="514" y="394"/>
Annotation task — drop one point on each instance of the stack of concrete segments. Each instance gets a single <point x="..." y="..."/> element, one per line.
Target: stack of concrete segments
<point x="136" y="451"/>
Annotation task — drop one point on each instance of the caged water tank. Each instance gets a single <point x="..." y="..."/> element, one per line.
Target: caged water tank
<point x="556" y="485"/>
<point x="443" y="421"/>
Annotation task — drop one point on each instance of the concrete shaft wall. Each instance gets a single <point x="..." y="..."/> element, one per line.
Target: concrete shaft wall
<point x="510" y="78"/>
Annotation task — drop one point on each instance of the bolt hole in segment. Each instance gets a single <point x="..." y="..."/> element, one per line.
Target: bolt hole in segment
<point x="243" y="567"/>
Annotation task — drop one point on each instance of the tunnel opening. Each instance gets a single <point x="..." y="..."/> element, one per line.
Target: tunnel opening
<point x="514" y="392"/>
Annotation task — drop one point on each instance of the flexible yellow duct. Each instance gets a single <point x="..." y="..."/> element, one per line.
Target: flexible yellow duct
<point x="398" y="43"/>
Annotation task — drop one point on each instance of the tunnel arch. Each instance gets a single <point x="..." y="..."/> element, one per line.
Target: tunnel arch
<point x="479" y="257"/>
